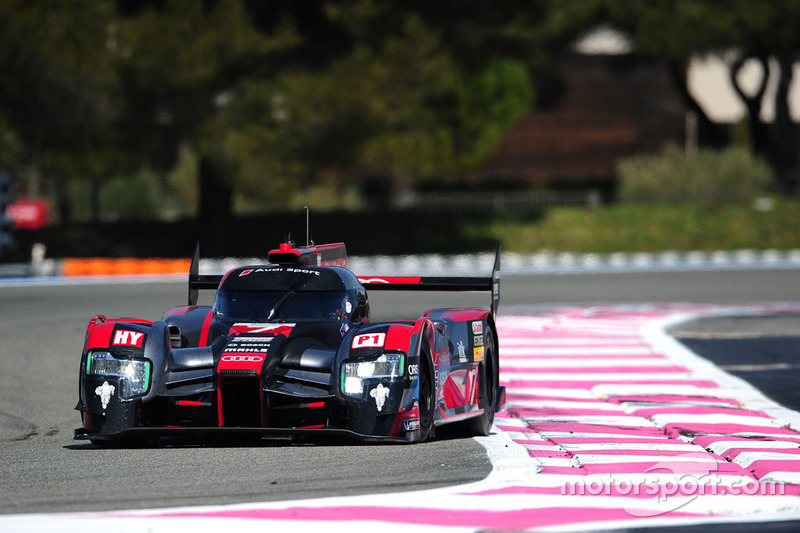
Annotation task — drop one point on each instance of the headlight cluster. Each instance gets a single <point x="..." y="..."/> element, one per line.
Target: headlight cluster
<point x="388" y="365"/>
<point x="134" y="374"/>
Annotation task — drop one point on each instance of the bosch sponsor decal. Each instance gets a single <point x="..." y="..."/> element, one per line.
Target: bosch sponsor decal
<point x="477" y="354"/>
<point x="380" y="393"/>
<point x="369" y="340"/>
<point x="242" y="358"/>
<point x="477" y="328"/>
<point x="477" y="340"/>
<point x="105" y="391"/>
<point x="125" y="337"/>
<point x="249" y="344"/>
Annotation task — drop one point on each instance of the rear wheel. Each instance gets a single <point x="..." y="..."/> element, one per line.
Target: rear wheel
<point x="487" y="382"/>
<point x="427" y="393"/>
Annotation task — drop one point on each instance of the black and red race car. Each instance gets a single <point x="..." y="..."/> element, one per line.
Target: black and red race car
<point x="287" y="350"/>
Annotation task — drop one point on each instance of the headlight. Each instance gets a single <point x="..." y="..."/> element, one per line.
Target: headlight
<point x="134" y="374"/>
<point x="388" y="365"/>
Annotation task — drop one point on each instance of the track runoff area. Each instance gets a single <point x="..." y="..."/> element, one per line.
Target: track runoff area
<point x="610" y="423"/>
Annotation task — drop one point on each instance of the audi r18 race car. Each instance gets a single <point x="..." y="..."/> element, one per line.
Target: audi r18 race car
<point x="288" y="349"/>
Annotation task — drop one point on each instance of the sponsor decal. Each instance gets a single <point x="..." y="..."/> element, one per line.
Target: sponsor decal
<point x="380" y="393"/>
<point x="303" y="271"/>
<point x="413" y="371"/>
<point x="411" y="424"/>
<point x="344" y="329"/>
<point x="477" y="328"/>
<point x="124" y="337"/>
<point x="245" y="327"/>
<point x="249" y="344"/>
<point x="278" y="269"/>
<point x="477" y="354"/>
<point x="477" y="340"/>
<point x="242" y="358"/>
<point x="332" y="262"/>
<point x="369" y="340"/>
<point x="462" y="354"/>
<point x="105" y="391"/>
<point x="372" y="280"/>
<point x="256" y="340"/>
<point x="441" y="375"/>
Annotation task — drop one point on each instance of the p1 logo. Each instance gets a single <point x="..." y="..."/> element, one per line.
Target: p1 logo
<point x="369" y="340"/>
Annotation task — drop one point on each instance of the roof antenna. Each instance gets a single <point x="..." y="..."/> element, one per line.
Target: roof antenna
<point x="307" y="230"/>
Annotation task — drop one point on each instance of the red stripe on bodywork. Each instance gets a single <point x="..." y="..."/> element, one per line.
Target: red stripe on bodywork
<point x="388" y="280"/>
<point x="206" y="326"/>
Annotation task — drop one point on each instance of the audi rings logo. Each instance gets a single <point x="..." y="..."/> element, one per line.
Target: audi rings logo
<point x="242" y="358"/>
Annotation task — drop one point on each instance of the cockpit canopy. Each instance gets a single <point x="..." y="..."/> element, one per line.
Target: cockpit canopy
<point x="288" y="294"/>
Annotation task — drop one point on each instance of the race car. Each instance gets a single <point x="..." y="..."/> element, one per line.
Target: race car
<point x="287" y="350"/>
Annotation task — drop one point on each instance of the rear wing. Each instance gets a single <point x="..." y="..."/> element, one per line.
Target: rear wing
<point x="440" y="283"/>
<point x="336" y="255"/>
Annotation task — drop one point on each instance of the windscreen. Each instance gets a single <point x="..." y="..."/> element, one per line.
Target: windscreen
<point x="256" y="305"/>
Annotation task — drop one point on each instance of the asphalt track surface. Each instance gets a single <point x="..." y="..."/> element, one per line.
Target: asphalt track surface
<point x="43" y="470"/>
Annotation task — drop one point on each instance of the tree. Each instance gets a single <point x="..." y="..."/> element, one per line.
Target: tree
<point x="675" y="31"/>
<point x="57" y="89"/>
<point x="180" y="64"/>
<point x="396" y="107"/>
<point x="267" y="94"/>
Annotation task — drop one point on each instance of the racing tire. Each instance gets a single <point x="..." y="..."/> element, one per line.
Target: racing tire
<point x="427" y="393"/>
<point x="487" y="381"/>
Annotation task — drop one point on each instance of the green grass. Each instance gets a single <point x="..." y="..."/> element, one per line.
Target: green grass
<point x="650" y="228"/>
